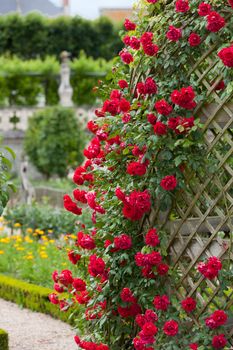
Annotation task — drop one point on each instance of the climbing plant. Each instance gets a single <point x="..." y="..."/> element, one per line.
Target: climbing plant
<point x="148" y="150"/>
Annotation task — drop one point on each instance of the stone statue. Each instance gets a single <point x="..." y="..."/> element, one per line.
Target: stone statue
<point x="28" y="192"/>
<point x="65" y="90"/>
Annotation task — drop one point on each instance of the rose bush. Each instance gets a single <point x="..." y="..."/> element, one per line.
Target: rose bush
<point x="145" y="140"/>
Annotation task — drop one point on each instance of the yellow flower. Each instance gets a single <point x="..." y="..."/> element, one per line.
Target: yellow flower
<point x="51" y="241"/>
<point x="29" y="230"/>
<point x="5" y="240"/>
<point x="17" y="224"/>
<point x="20" y="248"/>
<point x="29" y="257"/>
<point x="1" y="218"/>
<point x="2" y="228"/>
<point x="42" y="248"/>
<point x="50" y="231"/>
<point x="44" y="256"/>
<point x="28" y="239"/>
<point x="64" y="264"/>
<point x="73" y="236"/>
<point x="1" y="252"/>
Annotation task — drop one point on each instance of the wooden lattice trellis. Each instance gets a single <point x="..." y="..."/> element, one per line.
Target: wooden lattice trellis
<point x="206" y="210"/>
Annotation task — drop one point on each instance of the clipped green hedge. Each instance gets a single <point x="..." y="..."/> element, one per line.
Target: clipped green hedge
<point x="32" y="297"/>
<point x="3" y="340"/>
<point x="38" y="36"/>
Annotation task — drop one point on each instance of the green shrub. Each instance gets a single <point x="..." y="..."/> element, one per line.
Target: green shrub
<point x="31" y="296"/>
<point x="54" y="140"/>
<point x="3" y="340"/>
<point x="37" y="36"/>
<point x="42" y="217"/>
<point x="5" y="183"/>
<point x="23" y="82"/>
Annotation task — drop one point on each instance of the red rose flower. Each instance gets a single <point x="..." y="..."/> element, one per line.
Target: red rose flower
<point x="85" y="241"/>
<point x="111" y="106"/>
<point x="174" y="34"/>
<point x="151" y="118"/>
<point x="136" y="168"/>
<point x="162" y="269"/>
<point x="184" y="97"/>
<point x="115" y="94"/>
<point x="171" y="328"/>
<point x="127" y="296"/>
<point x="161" y="302"/>
<point x="182" y="6"/>
<point x="230" y="3"/>
<point x="211" y="268"/>
<point x="219" y="341"/>
<point x="220" y="86"/>
<point x="163" y="107"/>
<point x="226" y="55"/>
<point x="151" y="238"/>
<point x="215" y="22"/>
<point x="135" y="43"/>
<point x="189" y="304"/>
<point x="71" y="206"/>
<point x="55" y="276"/>
<point x="193" y="346"/>
<point x="194" y="39"/>
<point x="168" y="183"/>
<point x="126" y="57"/>
<point x="150" y="86"/>
<point x="151" y="316"/>
<point x="220" y="317"/>
<point x="79" y="285"/>
<point x="126" y="40"/>
<point x="80" y="195"/>
<point x="96" y="266"/>
<point x="66" y="278"/>
<point x="58" y="288"/>
<point x="123" y="84"/>
<point x="149" y="329"/>
<point x="217" y="319"/>
<point x="124" y="105"/>
<point x="92" y="126"/>
<point x="54" y="298"/>
<point x="120" y="195"/>
<point x="204" y="9"/>
<point x="151" y="49"/>
<point x="154" y="258"/>
<point x="136" y="205"/>
<point x="102" y="347"/>
<point x="93" y="149"/>
<point x="123" y="242"/>
<point x="160" y="128"/>
<point x="82" y="298"/>
<point x="73" y="257"/>
<point x="129" y="25"/>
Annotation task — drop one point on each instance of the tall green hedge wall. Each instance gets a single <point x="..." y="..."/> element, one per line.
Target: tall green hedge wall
<point x="34" y="35"/>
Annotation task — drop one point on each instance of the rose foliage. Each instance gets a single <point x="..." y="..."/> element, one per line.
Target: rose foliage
<point x="146" y="140"/>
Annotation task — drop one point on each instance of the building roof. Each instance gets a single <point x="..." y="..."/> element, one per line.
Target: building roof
<point x="44" y="6"/>
<point x="116" y="14"/>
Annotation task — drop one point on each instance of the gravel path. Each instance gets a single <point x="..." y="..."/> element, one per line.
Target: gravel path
<point x="34" y="331"/>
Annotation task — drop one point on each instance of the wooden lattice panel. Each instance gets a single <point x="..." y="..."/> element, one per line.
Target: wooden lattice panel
<point x="205" y="211"/>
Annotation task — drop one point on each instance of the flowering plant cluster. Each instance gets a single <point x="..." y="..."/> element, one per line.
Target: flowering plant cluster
<point x="146" y="139"/>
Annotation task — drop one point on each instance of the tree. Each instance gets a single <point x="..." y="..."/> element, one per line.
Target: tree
<point x="54" y="141"/>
